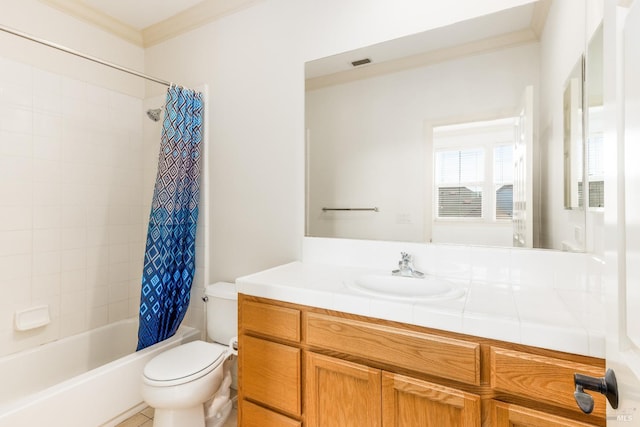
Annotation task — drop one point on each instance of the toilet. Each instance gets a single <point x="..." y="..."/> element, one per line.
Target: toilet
<point x="189" y="385"/>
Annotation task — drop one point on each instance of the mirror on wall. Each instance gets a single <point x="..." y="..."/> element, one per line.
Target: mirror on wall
<point x="572" y="102"/>
<point x="594" y="120"/>
<point x="453" y="135"/>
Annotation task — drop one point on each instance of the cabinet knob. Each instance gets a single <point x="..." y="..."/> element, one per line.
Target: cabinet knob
<point x="606" y="385"/>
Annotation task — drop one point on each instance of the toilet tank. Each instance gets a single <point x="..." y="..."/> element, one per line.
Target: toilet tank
<point x="222" y="312"/>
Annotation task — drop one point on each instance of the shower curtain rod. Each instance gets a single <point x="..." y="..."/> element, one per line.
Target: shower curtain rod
<point x="82" y="55"/>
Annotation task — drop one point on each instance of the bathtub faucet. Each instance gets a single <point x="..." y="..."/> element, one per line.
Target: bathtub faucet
<point x="405" y="267"/>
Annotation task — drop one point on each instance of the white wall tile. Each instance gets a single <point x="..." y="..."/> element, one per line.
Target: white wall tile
<point x="98" y="297"/>
<point x="73" y="323"/>
<point x="16" y="292"/>
<point x="47" y="176"/>
<point x="14" y="144"/>
<point x="73" y="238"/>
<point x="16" y="119"/>
<point x="118" y="273"/>
<point x="490" y="265"/>
<point x="73" y="281"/>
<point x="45" y="82"/>
<point x="73" y="259"/>
<point x="98" y="316"/>
<point x="118" y="292"/>
<point x="97" y="236"/>
<point x="48" y="103"/>
<point x="15" y="74"/>
<point x="14" y="96"/>
<point x="118" y="311"/>
<point x="47" y="147"/>
<point x="15" y="267"/>
<point x="491" y="299"/>
<point x="46" y="240"/>
<point x="47" y="215"/>
<point x="15" y="242"/>
<point x="55" y="131"/>
<point x="15" y="218"/>
<point x="16" y="193"/>
<point x="72" y="302"/>
<point x="46" y="263"/>
<point x="533" y="267"/>
<point x="45" y="286"/>
<point x="16" y="169"/>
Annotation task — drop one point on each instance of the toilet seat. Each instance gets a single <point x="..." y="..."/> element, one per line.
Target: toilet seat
<point x="184" y="363"/>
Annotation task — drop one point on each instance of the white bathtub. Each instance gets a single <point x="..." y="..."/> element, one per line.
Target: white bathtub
<point x="87" y="380"/>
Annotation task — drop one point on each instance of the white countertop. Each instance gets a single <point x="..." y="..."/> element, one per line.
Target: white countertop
<point x="563" y="320"/>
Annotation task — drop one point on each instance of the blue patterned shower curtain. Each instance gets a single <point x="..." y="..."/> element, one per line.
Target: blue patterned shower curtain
<point x="169" y="259"/>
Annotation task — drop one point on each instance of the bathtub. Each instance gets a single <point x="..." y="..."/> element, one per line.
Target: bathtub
<point x="86" y="380"/>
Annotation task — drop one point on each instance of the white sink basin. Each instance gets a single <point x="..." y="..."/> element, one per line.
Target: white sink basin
<point x="405" y="288"/>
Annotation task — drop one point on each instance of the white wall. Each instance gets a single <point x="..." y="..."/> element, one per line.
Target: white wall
<point x="369" y="148"/>
<point x="253" y="61"/>
<point x="71" y="221"/>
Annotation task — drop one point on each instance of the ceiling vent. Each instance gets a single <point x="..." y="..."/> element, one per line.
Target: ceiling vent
<point x="360" y="62"/>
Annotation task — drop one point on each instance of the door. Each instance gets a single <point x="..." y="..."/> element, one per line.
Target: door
<point x="338" y="392"/>
<point x="622" y="217"/>
<point x="523" y="173"/>
<point x="409" y="402"/>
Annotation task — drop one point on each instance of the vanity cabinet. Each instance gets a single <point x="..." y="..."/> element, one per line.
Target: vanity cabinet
<point x="337" y="392"/>
<point x="304" y="366"/>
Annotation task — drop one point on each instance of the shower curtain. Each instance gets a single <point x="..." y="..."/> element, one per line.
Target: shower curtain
<point x="169" y="259"/>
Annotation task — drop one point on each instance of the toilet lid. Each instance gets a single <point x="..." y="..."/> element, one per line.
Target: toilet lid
<point x="185" y="362"/>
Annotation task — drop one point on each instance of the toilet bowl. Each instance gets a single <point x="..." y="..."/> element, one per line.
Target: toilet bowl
<point x="188" y="385"/>
<point x="177" y="382"/>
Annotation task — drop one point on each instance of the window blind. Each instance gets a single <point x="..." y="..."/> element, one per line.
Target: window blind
<point x="459" y="177"/>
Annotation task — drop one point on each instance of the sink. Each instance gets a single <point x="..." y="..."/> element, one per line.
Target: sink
<point x="405" y="288"/>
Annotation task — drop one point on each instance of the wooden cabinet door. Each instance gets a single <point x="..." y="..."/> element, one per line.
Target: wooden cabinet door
<point x="340" y="393"/>
<point x="408" y="402"/>
<point x="508" y="415"/>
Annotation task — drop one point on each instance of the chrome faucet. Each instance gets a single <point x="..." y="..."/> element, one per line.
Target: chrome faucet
<point x="405" y="267"/>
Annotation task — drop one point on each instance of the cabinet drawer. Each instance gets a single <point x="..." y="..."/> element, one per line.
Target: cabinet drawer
<point x="431" y="354"/>
<point x="270" y="374"/>
<point x="271" y="320"/>
<point x="508" y="415"/>
<point x="541" y="378"/>
<point x="257" y="416"/>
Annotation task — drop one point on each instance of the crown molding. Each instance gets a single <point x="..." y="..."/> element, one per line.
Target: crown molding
<point x="539" y="16"/>
<point x="194" y="17"/>
<point x="512" y="39"/>
<point x="187" y="20"/>
<point x="90" y="15"/>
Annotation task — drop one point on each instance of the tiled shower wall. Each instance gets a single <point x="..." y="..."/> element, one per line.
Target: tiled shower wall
<point x="72" y="222"/>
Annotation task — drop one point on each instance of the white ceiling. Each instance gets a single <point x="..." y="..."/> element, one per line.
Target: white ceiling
<point x="141" y="14"/>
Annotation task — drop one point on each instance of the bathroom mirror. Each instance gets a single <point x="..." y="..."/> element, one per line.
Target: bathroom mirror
<point x="414" y="139"/>
<point x="594" y="106"/>
<point x="572" y="102"/>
